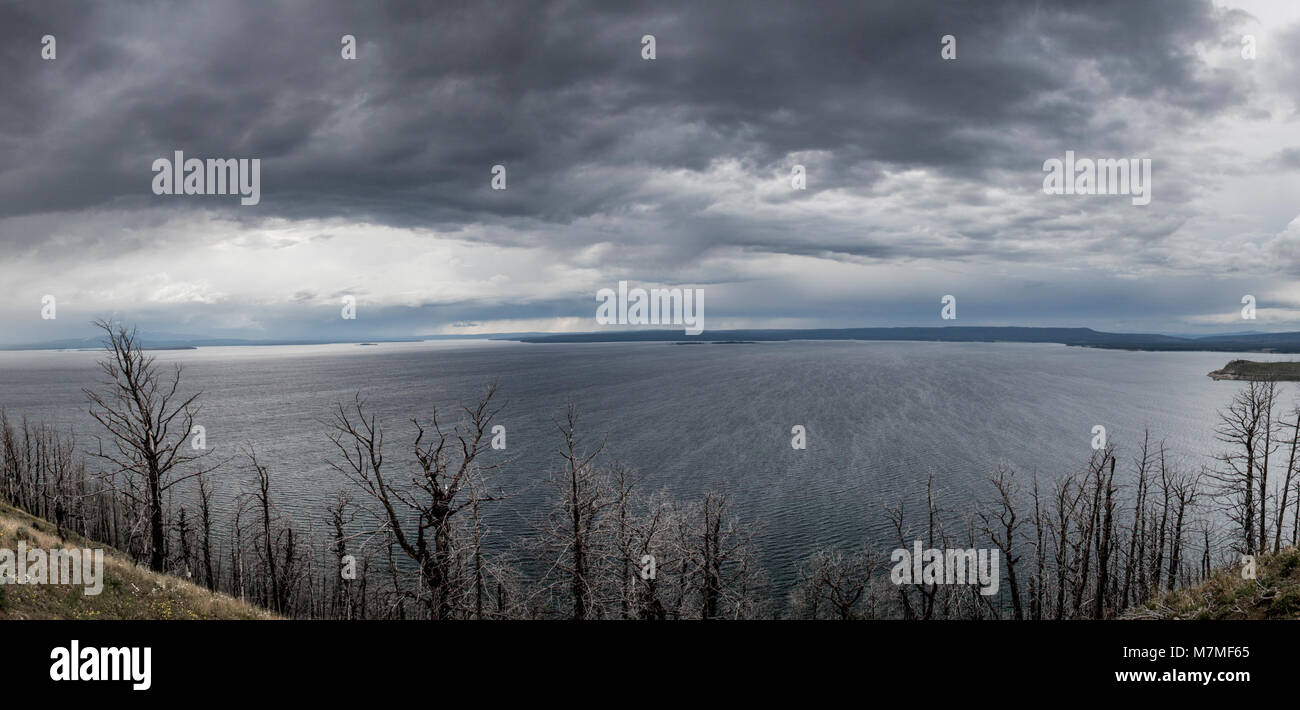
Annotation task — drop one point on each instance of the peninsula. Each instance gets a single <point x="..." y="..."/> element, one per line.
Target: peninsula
<point x="1283" y="371"/>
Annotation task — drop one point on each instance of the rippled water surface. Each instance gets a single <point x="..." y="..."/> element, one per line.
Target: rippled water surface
<point x="879" y="416"/>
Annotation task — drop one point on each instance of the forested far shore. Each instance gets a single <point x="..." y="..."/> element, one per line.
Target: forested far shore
<point x="405" y="536"/>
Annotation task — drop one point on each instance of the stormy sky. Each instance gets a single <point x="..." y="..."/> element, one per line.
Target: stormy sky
<point x="924" y="175"/>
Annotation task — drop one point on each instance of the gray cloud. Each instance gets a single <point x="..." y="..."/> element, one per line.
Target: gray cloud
<point x="909" y="157"/>
<point x="408" y="133"/>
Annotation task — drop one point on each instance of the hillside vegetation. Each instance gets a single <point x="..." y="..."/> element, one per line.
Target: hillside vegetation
<point x="1273" y="594"/>
<point x="130" y="591"/>
<point x="1282" y="371"/>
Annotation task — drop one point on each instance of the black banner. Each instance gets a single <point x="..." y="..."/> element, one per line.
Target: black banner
<point x="959" y="661"/>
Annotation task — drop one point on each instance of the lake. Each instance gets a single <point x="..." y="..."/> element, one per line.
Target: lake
<point x="879" y="417"/>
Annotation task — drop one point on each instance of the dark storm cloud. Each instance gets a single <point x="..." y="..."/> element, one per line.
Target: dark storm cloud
<point x="558" y="92"/>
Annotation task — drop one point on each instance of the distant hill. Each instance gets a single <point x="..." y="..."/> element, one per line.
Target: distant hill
<point x="1082" y="337"/>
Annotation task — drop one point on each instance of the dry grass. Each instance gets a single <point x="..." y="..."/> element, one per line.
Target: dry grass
<point x="130" y="591"/>
<point x="1273" y="594"/>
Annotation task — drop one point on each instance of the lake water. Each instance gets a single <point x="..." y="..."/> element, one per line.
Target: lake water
<point x="879" y="417"/>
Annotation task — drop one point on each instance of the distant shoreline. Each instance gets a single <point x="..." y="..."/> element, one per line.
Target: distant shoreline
<point x="1281" y="371"/>
<point x="1078" y="337"/>
<point x="1274" y="343"/>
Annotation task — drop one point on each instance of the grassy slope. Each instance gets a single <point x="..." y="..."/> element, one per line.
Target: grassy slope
<point x="130" y="591"/>
<point x="1273" y="594"/>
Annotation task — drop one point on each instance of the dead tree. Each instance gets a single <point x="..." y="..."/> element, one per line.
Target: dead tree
<point x="148" y="422"/>
<point x="1162" y="528"/>
<point x="261" y="498"/>
<point x="624" y="481"/>
<point x="184" y="537"/>
<point x="582" y="497"/>
<point x="649" y="542"/>
<point x="1085" y="546"/>
<point x="341" y="516"/>
<point x="925" y="606"/>
<point x="1066" y="495"/>
<point x="205" y="532"/>
<point x="833" y="584"/>
<point x="1134" y="570"/>
<point x="1295" y="524"/>
<point x="433" y="496"/>
<point x="1289" y="478"/>
<point x="1268" y="396"/>
<point x="1104" y="537"/>
<point x="1037" y="581"/>
<point x="723" y="556"/>
<point x="1183" y="493"/>
<point x="1003" y="533"/>
<point x="1241" y="427"/>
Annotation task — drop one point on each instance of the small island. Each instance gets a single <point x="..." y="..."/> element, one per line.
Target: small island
<point x="1284" y="371"/>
